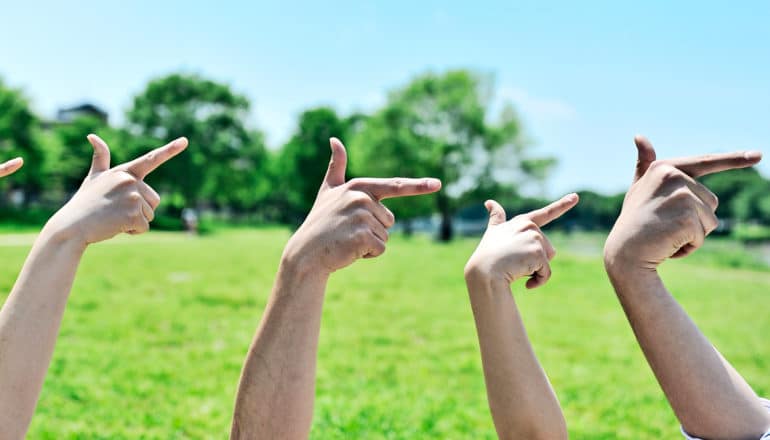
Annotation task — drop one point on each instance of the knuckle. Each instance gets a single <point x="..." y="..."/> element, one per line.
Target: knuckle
<point x="135" y="197"/>
<point x="360" y="216"/>
<point x="360" y="237"/>
<point x="686" y="222"/>
<point x="359" y="199"/>
<point x="671" y="174"/>
<point x="533" y="236"/>
<point x="682" y="195"/>
<point x="125" y="179"/>
<point x="527" y="224"/>
<point x="656" y="165"/>
<point x="665" y="171"/>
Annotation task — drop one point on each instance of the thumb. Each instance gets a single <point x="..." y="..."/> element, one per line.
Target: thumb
<point x="101" y="159"/>
<point x="335" y="175"/>
<point x="496" y="212"/>
<point x="646" y="156"/>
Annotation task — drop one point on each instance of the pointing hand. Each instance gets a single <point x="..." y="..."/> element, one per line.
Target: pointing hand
<point x="347" y="221"/>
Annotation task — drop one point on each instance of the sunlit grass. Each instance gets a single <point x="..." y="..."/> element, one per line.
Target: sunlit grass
<point x="157" y="328"/>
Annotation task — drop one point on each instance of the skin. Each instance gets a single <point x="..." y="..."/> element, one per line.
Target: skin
<point x="110" y="201"/>
<point x="521" y="399"/>
<point x="668" y="214"/>
<point x="11" y="166"/>
<point x="347" y="222"/>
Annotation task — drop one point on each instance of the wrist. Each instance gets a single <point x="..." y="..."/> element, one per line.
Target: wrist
<point x="619" y="258"/>
<point x="301" y="265"/>
<point x="59" y="233"/>
<point x="483" y="277"/>
<point x="627" y="275"/>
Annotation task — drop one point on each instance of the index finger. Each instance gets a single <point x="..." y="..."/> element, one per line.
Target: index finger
<point x="543" y="216"/>
<point x="698" y="166"/>
<point x="144" y="165"/>
<point x="395" y="186"/>
<point x="10" y="166"/>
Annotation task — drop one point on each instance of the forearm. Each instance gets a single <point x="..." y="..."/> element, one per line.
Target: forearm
<point x="521" y="399"/>
<point x="708" y="396"/>
<point x="277" y="388"/>
<point x="29" y="325"/>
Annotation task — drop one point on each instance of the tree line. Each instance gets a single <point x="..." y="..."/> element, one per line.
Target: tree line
<point x="439" y="124"/>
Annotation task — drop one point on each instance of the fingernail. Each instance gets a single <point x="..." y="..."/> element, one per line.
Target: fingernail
<point x="572" y="196"/>
<point x="180" y="142"/>
<point x="753" y="155"/>
<point x="433" y="184"/>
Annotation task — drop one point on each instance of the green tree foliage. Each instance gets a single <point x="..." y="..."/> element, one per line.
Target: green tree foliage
<point x="303" y="160"/>
<point x="728" y="185"/>
<point x="594" y="212"/>
<point x="225" y="163"/>
<point x="752" y="204"/>
<point x="73" y="152"/>
<point x="19" y="130"/>
<point x="441" y="125"/>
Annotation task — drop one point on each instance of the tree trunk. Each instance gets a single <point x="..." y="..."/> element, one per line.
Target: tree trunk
<point x="408" y="227"/>
<point x="446" y="231"/>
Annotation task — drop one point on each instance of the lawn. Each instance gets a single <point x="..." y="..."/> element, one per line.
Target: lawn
<point x="157" y="328"/>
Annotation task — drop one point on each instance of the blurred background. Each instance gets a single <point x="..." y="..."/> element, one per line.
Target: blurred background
<point x="517" y="101"/>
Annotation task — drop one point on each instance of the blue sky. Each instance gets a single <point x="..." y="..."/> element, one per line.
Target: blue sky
<point x="693" y="76"/>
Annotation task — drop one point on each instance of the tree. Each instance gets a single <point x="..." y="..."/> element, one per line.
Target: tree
<point x="753" y="204"/>
<point x="19" y="130"/>
<point x="72" y="157"/>
<point x="729" y="185"/>
<point x="441" y="125"/>
<point x="226" y="161"/>
<point x="594" y="212"/>
<point x="302" y="161"/>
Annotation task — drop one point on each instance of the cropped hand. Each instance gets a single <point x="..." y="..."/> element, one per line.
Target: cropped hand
<point x="666" y="212"/>
<point x="348" y="221"/>
<point x="113" y="200"/>
<point x="517" y="248"/>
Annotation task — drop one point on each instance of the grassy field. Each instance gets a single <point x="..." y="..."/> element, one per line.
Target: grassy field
<point x="158" y="326"/>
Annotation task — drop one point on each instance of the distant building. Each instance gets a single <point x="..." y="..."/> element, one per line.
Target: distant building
<point x="67" y="115"/>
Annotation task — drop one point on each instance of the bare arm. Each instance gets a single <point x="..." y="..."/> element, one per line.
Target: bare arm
<point x="667" y="214"/>
<point x="521" y="399"/>
<point x="278" y="380"/>
<point x="110" y="201"/>
<point x="347" y="222"/>
<point x="709" y="397"/>
<point x="29" y="324"/>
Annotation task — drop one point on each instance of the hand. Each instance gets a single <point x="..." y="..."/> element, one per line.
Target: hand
<point x="347" y="221"/>
<point x="666" y="212"/>
<point x="10" y="166"/>
<point x="517" y="248"/>
<point x="113" y="200"/>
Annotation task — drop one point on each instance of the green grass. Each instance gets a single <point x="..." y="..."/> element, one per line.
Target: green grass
<point x="157" y="328"/>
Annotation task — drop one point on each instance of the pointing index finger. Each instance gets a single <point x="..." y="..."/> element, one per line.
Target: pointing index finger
<point x="545" y="215"/>
<point x="698" y="166"/>
<point x="10" y="166"/>
<point x="395" y="186"/>
<point x="144" y="165"/>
